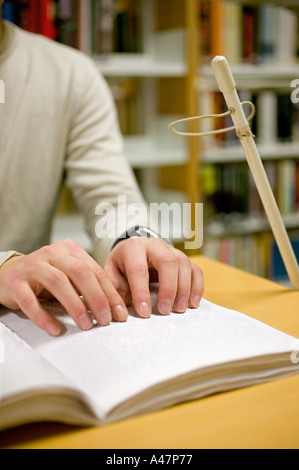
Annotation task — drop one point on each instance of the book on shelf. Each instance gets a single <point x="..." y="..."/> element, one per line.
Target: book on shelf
<point x="246" y="32"/>
<point x="116" y="26"/>
<point x="278" y="270"/>
<point x="276" y="118"/>
<point x="32" y="15"/>
<point x="230" y="188"/>
<point x="256" y="253"/>
<point x="126" y="369"/>
<point x="97" y="27"/>
<point x="67" y="22"/>
<point x="127" y="94"/>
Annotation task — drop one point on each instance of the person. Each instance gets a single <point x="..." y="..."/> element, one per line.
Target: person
<point x="58" y="120"/>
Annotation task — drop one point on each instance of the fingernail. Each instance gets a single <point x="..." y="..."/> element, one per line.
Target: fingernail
<point x="181" y="305"/>
<point x="53" y="329"/>
<point x="104" y="317"/>
<point x="120" y="313"/>
<point x="165" y="307"/>
<point x="144" y="310"/>
<point x="85" y="322"/>
<point x="196" y="300"/>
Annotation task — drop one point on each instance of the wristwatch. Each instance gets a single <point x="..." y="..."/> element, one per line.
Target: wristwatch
<point x="140" y="231"/>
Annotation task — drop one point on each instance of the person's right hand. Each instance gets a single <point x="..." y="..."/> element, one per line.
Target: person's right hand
<point x="63" y="271"/>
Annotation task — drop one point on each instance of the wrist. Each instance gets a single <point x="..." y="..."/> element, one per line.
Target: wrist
<point x="10" y="259"/>
<point x="143" y="232"/>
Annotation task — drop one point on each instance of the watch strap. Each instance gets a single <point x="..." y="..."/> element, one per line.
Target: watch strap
<point x="140" y="231"/>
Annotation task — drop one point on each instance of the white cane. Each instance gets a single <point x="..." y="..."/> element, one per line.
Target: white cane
<point x="227" y="86"/>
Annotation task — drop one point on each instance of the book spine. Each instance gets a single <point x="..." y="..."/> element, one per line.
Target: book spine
<point x="29" y="19"/>
<point x="47" y="15"/>
<point x="67" y="22"/>
<point x="84" y="26"/>
<point x="297" y="187"/>
<point x="249" y="33"/>
<point x="9" y="12"/>
<point x="103" y="27"/>
<point x="36" y="16"/>
<point x="252" y="253"/>
<point x="232" y="19"/>
<point x="205" y="31"/>
<point x="249" y="26"/>
<point x="217" y="31"/>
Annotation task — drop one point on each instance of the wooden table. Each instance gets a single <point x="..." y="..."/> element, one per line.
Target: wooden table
<point x="261" y="416"/>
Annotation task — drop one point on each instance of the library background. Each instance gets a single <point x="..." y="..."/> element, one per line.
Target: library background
<point x="156" y="55"/>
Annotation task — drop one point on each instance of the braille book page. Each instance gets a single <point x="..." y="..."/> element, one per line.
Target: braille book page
<point x="113" y="363"/>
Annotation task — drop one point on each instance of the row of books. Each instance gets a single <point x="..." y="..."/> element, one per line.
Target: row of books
<point x="37" y="16"/>
<point x="251" y="33"/>
<point x="256" y="253"/>
<point x="127" y="93"/>
<point x="242" y="32"/>
<point x="276" y="117"/>
<point x="229" y="188"/>
<point x="93" y="26"/>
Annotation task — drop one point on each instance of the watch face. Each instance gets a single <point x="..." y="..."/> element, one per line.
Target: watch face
<point x="141" y="232"/>
<point x="146" y="232"/>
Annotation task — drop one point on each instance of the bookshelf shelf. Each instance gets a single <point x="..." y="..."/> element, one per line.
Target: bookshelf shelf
<point x="233" y="154"/>
<point x="148" y="152"/>
<point x="253" y="77"/>
<point x="139" y="65"/>
<point x="233" y="225"/>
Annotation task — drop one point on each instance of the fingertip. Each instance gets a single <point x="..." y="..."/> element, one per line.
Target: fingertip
<point x="195" y="301"/>
<point x="120" y="313"/>
<point x="53" y="329"/>
<point x="165" y="307"/>
<point x="144" y="310"/>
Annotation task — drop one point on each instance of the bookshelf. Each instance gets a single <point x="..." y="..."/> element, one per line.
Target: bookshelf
<point x="262" y="47"/>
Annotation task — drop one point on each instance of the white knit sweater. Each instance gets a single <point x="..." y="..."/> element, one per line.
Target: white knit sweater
<point x="58" y="116"/>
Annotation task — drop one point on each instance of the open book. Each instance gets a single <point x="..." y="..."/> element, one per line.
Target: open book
<point x="113" y="372"/>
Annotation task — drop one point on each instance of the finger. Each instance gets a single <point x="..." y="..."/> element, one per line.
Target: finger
<point x="118" y="280"/>
<point x="30" y="306"/>
<point x="58" y="283"/>
<point x="88" y="285"/>
<point x="103" y="299"/>
<point x="118" y="308"/>
<point x="197" y="286"/>
<point x="184" y="283"/>
<point x="136" y="270"/>
<point x="164" y="260"/>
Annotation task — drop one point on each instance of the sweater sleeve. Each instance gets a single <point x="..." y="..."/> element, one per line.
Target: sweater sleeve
<point x="5" y="255"/>
<point x="97" y="171"/>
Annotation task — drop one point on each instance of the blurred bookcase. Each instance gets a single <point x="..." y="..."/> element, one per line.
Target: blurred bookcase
<point x="261" y="42"/>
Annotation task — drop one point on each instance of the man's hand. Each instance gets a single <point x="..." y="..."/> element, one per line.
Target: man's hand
<point x="65" y="272"/>
<point x="135" y="261"/>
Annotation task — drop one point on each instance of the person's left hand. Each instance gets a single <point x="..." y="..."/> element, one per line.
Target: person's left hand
<point x="136" y="261"/>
